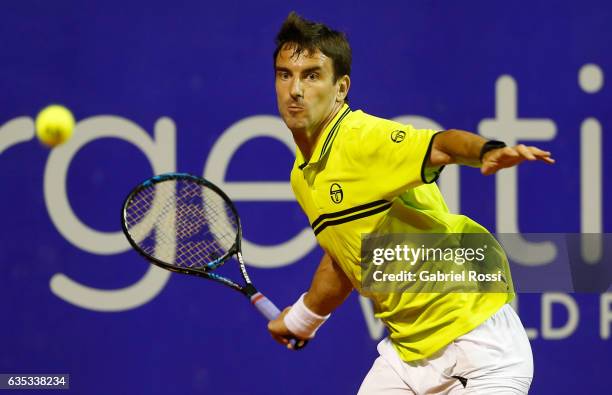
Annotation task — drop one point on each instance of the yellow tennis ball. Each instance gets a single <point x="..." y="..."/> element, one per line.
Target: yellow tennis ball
<point x="54" y="125"/>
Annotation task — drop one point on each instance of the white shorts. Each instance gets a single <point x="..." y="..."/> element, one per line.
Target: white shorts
<point x="494" y="358"/>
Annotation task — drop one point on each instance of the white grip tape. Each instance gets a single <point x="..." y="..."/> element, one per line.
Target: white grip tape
<point x="265" y="306"/>
<point x="303" y="322"/>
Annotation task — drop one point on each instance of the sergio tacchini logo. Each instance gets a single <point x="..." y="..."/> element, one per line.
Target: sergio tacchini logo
<point x="397" y="136"/>
<point x="335" y="192"/>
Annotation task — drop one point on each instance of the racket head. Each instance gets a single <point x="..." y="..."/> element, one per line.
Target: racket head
<point x="182" y="223"/>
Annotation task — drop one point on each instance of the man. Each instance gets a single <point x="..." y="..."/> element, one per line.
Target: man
<point x="357" y="174"/>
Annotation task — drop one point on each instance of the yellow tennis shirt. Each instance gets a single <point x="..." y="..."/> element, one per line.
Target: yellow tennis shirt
<point x="367" y="175"/>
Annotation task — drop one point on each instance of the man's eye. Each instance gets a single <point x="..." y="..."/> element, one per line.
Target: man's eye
<point x="283" y="75"/>
<point x="312" y="76"/>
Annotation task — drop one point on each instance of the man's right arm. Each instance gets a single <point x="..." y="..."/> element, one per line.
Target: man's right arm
<point x="329" y="289"/>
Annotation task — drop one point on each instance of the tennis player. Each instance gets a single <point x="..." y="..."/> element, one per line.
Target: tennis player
<point x="358" y="174"/>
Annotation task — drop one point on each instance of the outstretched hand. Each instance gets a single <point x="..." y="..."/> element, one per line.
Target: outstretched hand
<point x="502" y="158"/>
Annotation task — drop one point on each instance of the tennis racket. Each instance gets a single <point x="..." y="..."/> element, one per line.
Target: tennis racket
<point x="186" y="224"/>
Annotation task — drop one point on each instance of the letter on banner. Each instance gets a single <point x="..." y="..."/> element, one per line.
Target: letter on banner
<point x="508" y="127"/>
<point x="214" y="170"/>
<point x="376" y="328"/>
<point x="15" y="131"/>
<point x="160" y="152"/>
<point x="573" y="316"/>
<point x="605" y="313"/>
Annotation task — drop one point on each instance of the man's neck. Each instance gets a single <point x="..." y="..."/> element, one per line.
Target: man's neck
<point x="306" y="140"/>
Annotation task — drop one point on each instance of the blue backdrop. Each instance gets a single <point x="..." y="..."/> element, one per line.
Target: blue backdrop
<point x="189" y="87"/>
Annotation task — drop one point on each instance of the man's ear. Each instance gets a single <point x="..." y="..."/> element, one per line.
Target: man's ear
<point x="344" y="84"/>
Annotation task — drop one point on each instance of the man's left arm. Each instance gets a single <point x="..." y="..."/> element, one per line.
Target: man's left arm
<point x="465" y="148"/>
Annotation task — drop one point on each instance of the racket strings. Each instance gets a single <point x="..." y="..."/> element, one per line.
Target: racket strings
<point x="182" y="223"/>
<point x="150" y="222"/>
<point x="221" y="230"/>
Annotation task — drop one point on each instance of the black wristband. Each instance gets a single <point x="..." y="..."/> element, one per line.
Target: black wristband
<point x="490" y="145"/>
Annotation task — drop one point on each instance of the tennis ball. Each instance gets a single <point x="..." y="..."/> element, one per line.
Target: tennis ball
<point x="54" y="125"/>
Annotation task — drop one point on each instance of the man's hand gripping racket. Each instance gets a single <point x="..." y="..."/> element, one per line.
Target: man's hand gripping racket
<point x="186" y="224"/>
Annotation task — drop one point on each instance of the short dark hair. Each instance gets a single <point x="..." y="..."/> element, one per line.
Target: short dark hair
<point x="304" y="35"/>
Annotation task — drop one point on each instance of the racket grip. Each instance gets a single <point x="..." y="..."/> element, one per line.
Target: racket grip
<point x="265" y="306"/>
<point x="270" y="311"/>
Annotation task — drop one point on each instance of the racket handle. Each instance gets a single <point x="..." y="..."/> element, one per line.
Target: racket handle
<point x="270" y="311"/>
<point x="265" y="306"/>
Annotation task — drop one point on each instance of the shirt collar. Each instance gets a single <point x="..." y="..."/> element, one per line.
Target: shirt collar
<point x="324" y="142"/>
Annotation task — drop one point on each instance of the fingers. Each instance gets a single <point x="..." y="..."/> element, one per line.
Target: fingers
<point x="547" y="160"/>
<point x="525" y="152"/>
<point x="487" y="170"/>
<point x="280" y="339"/>
<point x="511" y="156"/>
<point x="542" y="155"/>
<point x="278" y="330"/>
<point x="534" y="153"/>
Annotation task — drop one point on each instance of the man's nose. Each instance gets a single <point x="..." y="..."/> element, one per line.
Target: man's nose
<point x="297" y="90"/>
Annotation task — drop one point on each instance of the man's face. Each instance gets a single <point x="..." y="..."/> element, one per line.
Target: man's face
<point x="305" y="88"/>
